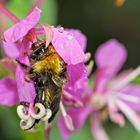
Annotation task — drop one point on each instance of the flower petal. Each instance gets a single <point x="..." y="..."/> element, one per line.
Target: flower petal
<point x="21" y="28"/>
<point x="11" y="49"/>
<point x="111" y="55"/>
<point x="78" y="116"/>
<point x="97" y="129"/>
<point x="77" y="78"/>
<point x="26" y="89"/>
<point x="101" y="80"/>
<point x="67" y="46"/>
<point x="134" y="91"/>
<point x="80" y="37"/>
<point x="130" y="114"/>
<point x="8" y="92"/>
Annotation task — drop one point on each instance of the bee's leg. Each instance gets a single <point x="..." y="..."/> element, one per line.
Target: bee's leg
<point x="54" y="107"/>
<point x="27" y="78"/>
<point x="60" y="79"/>
<point x="57" y="80"/>
<point x="22" y="64"/>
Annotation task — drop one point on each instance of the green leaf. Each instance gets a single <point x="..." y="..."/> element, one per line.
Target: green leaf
<point x="22" y="7"/>
<point x="91" y="81"/>
<point x="33" y="135"/>
<point x="137" y="136"/>
<point x="117" y="133"/>
<point x="2" y="72"/>
<point x="137" y="80"/>
<point x="9" y="124"/>
<point x="49" y="12"/>
<point x="82" y="134"/>
<point x="114" y="131"/>
<point x="19" y="8"/>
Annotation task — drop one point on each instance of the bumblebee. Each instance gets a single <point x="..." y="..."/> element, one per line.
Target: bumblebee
<point x="49" y="74"/>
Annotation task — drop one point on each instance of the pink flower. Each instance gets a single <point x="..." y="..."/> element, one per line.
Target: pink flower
<point x="13" y="44"/>
<point x="117" y="94"/>
<point x="74" y="56"/>
<point x="17" y="43"/>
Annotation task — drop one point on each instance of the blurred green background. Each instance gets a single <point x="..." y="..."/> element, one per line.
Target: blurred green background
<point x="100" y="20"/>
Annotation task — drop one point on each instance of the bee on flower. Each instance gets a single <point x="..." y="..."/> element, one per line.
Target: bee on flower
<point x="44" y="73"/>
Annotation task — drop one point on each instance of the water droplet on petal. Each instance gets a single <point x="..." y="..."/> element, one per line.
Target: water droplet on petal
<point x="69" y="36"/>
<point x="85" y="71"/>
<point x="61" y="29"/>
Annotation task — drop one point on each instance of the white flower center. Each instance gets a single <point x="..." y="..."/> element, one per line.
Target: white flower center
<point x="98" y="100"/>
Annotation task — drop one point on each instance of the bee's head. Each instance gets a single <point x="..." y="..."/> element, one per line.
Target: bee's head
<point x="36" y="45"/>
<point x="37" y="50"/>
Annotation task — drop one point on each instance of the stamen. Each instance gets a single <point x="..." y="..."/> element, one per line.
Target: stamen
<point x="114" y="115"/>
<point x="89" y="67"/>
<point x="87" y="56"/>
<point x="48" y="33"/>
<point x="27" y="124"/>
<point x="97" y="129"/>
<point x="118" y="119"/>
<point x="10" y="15"/>
<point x="39" y="31"/>
<point x="22" y="112"/>
<point x="127" y="79"/>
<point x="40" y="107"/>
<point x="67" y="118"/>
<point x="129" y="98"/>
<point x="130" y="114"/>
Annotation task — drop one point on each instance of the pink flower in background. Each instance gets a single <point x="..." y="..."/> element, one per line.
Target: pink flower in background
<point x="117" y="94"/>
